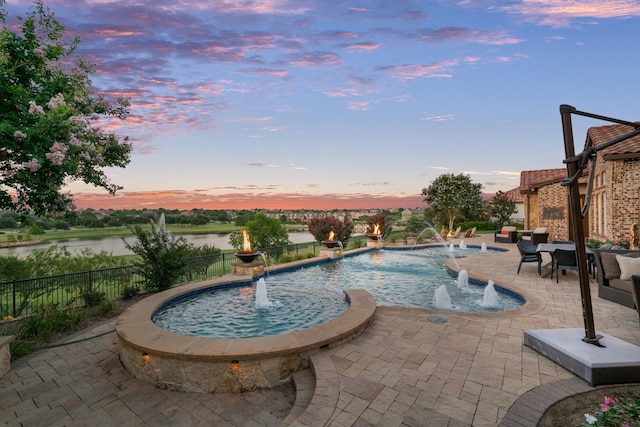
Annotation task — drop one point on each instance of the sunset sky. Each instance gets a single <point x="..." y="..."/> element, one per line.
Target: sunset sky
<point x="324" y="104"/>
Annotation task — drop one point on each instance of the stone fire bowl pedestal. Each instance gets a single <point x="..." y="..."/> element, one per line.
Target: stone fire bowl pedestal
<point x="253" y="269"/>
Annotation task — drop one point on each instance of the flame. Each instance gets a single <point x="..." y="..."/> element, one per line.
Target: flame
<point x="376" y="229"/>
<point x="332" y="235"/>
<point x="246" y="243"/>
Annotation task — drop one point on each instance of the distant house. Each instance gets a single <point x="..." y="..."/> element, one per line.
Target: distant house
<point x="515" y="195"/>
<point x="408" y="213"/>
<point x="546" y="202"/>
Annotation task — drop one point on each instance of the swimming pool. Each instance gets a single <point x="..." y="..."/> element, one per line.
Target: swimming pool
<point x="401" y="278"/>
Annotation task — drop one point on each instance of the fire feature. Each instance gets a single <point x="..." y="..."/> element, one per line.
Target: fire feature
<point x="246" y="254"/>
<point x="375" y="233"/>
<point x="330" y="242"/>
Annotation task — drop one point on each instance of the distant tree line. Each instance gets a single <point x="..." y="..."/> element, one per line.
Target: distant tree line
<point x="90" y="218"/>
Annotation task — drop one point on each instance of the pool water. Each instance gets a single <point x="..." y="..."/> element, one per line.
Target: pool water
<point x="232" y="313"/>
<point x="309" y="296"/>
<point x="402" y="278"/>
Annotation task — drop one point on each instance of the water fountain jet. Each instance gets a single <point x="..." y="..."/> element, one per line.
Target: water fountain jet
<point x="441" y="298"/>
<point x="490" y="298"/>
<point x="262" y="300"/>
<point x="463" y="279"/>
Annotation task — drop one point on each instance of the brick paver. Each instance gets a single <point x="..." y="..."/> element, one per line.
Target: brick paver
<point x="404" y="370"/>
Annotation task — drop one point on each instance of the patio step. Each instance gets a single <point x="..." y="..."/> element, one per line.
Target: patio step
<point x="324" y="386"/>
<point x="305" y="383"/>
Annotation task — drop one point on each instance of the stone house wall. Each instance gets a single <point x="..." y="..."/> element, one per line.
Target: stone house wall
<point x="553" y="211"/>
<point x="616" y="199"/>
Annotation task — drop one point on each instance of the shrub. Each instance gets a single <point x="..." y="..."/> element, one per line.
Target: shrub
<point x="284" y="258"/>
<point x="381" y="221"/>
<point x="93" y="298"/>
<point x="49" y="320"/>
<point x="108" y="308"/>
<point x="164" y="257"/>
<point x="320" y="228"/>
<point x="129" y="292"/>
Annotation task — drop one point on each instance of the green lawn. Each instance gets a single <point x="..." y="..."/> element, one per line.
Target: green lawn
<point x="99" y="233"/>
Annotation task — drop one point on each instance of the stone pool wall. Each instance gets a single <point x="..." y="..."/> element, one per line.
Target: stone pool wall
<point x="195" y="364"/>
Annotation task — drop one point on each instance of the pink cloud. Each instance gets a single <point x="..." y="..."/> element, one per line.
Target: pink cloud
<point x="413" y="71"/>
<point x="559" y="13"/>
<point x="186" y="200"/>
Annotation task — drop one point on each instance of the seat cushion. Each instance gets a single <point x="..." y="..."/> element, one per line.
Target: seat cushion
<point x="540" y="230"/>
<point x="628" y="267"/>
<point x="623" y="285"/>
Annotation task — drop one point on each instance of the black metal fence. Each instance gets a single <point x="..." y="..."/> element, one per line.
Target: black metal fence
<point x="19" y="297"/>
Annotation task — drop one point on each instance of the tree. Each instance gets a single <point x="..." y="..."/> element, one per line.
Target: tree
<point x="502" y="207"/>
<point x="264" y="232"/>
<point x="48" y="118"/>
<point x="453" y="195"/>
<point x="415" y="224"/>
<point x="320" y="227"/>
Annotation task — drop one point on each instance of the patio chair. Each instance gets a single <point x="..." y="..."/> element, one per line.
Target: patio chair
<point x="539" y="235"/>
<point x="635" y="292"/>
<point x="563" y="260"/>
<point x="528" y="253"/>
<point x="471" y="232"/>
<point x="456" y="233"/>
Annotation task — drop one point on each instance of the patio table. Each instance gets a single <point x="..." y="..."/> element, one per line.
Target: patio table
<point x="551" y="247"/>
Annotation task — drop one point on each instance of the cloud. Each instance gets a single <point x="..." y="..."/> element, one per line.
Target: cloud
<point x="438" y="118"/>
<point x="468" y="35"/>
<point x="413" y="71"/>
<point x="261" y="165"/>
<point x="372" y="184"/>
<point x="560" y="13"/>
<point x="314" y="59"/>
<point x="245" y="198"/>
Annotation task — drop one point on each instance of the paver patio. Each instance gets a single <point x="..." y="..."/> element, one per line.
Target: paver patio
<point x="404" y="370"/>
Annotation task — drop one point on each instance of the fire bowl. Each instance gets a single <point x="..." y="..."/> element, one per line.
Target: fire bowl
<point x="330" y="243"/>
<point x="247" y="256"/>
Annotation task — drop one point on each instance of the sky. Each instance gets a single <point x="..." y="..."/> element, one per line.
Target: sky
<point x="327" y="104"/>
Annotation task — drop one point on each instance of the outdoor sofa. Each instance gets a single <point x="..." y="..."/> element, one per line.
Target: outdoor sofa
<point x="613" y="284"/>
<point x="508" y="234"/>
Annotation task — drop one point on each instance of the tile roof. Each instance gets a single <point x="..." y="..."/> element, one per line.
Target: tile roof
<point x="602" y="134"/>
<point x="515" y="194"/>
<point x="532" y="180"/>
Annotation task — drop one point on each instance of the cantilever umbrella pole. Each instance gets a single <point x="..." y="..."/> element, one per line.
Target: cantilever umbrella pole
<point x="575" y="212"/>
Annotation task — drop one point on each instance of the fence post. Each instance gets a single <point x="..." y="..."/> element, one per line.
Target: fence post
<point x="13" y="288"/>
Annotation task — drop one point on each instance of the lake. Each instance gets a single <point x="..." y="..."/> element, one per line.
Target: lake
<point x="116" y="246"/>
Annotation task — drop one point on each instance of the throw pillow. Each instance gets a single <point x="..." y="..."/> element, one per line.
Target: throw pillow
<point x="628" y="267"/>
<point x="505" y="232"/>
<point x="610" y="265"/>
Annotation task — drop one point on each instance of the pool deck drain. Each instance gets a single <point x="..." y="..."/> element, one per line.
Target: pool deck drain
<point x="437" y="319"/>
